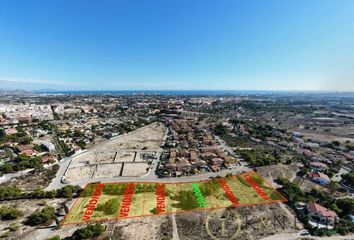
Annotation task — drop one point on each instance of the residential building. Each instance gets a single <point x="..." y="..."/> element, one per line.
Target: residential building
<point x="321" y="213"/>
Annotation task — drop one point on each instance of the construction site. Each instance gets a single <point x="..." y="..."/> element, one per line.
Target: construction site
<point x="128" y="155"/>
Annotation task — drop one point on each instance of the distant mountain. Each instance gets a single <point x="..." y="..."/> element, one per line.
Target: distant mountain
<point x="15" y="91"/>
<point x="46" y="90"/>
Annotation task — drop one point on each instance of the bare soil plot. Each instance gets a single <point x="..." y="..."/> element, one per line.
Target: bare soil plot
<point x="84" y="159"/>
<point x="105" y="157"/>
<point x="111" y="169"/>
<point x="124" y="156"/>
<point x="80" y="173"/>
<point x="306" y="185"/>
<point x="148" y="229"/>
<point x="146" y="138"/>
<point x="246" y="223"/>
<point x="134" y="169"/>
<point x="324" y="137"/>
<point x="273" y="172"/>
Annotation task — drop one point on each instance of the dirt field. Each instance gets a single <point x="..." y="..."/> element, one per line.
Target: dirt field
<point x="123" y="156"/>
<point x="104" y="170"/>
<point x="325" y="137"/>
<point x="245" y="223"/>
<point x="149" y="229"/>
<point x="148" y="138"/>
<point x="135" y="169"/>
<point x="84" y="159"/>
<point x="80" y="173"/>
<point x="306" y="185"/>
<point x="106" y="157"/>
<point x="272" y="172"/>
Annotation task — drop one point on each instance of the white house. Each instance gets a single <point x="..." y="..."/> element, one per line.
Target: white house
<point x="49" y="145"/>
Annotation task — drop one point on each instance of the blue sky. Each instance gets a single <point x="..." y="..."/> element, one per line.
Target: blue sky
<point x="177" y="45"/>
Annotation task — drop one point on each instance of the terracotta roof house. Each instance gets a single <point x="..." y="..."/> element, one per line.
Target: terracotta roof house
<point x="215" y="168"/>
<point x="173" y="155"/>
<point x="206" y="141"/>
<point x="210" y="154"/>
<point x="193" y="155"/>
<point x="348" y="156"/>
<point x="22" y="148"/>
<point x="29" y="152"/>
<point x="171" y="166"/>
<point x="24" y="118"/>
<point x="323" y="214"/>
<point x="217" y="161"/>
<point x="46" y="159"/>
<point x="209" y="149"/>
<point x="320" y="178"/>
<point x="183" y="165"/>
<point x="184" y="153"/>
<point x="318" y="166"/>
<point x="307" y="153"/>
<point x="199" y="163"/>
<point x="10" y="131"/>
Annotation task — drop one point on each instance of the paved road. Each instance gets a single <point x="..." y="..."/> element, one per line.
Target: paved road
<point x="56" y="182"/>
<point x="244" y="165"/>
<point x="152" y="177"/>
<point x="175" y="235"/>
<point x="8" y="176"/>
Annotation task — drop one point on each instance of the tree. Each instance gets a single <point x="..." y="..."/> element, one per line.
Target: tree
<point x="2" y="133"/>
<point x="346" y="205"/>
<point x="25" y="140"/>
<point x="220" y="129"/>
<point x="66" y="192"/>
<point x="7" y="168"/>
<point x="333" y="186"/>
<point x="88" y="232"/>
<point x="44" y="216"/>
<point x="10" y="192"/>
<point x="154" y="211"/>
<point x="9" y="213"/>
<point x="291" y="190"/>
<point x="336" y="143"/>
<point x="349" y="178"/>
<point x="54" y="238"/>
<point x="37" y="193"/>
<point x="111" y="206"/>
